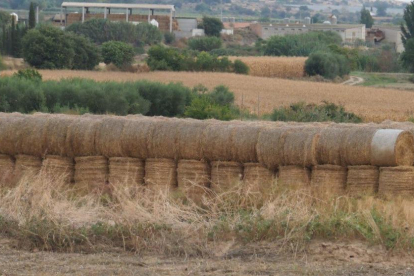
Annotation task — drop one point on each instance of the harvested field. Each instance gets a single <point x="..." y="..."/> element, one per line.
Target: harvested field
<point x="372" y="104"/>
<point x="275" y="67"/>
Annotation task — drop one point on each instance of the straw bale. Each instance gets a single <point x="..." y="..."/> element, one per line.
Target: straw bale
<point x="189" y="139"/>
<point x="328" y="148"/>
<point x="362" y="180"/>
<point x="6" y="169"/>
<point x="9" y="136"/>
<point x="225" y="175"/>
<point x="392" y="147"/>
<point x="193" y="178"/>
<point x="244" y="140"/>
<point x="216" y="142"/>
<point x="294" y="176"/>
<point x="270" y="146"/>
<point x="396" y="181"/>
<point x="81" y="136"/>
<point x="356" y="148"/>
<point x="26" y="165"/>
<point x="135" y="136"/>
<point x="126" y="170"/>
<point x="108" y="137"/>
<point x="163" y="141"/>
<point x="91" y="173"/>
<point x="328" y="179"/>
<point x="300" y="147"/>
<point x="57" y="167"/>
<point x="257" y="178"/>
<point x="56" y="133"/>
<point x="160" y="174"/>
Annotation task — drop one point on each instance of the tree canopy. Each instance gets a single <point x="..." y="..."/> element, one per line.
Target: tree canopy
<point x="366" y="18"/>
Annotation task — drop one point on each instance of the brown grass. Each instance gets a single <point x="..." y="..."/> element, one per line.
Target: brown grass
<point x="265" y="94"/>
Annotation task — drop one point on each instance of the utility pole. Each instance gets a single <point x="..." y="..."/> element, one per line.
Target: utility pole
<point x="221" y="10"/>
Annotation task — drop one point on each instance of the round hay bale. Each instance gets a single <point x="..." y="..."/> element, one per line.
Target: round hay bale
<point x="328" y="148"/>
<point x="26" y="166"/>
<point x="300" y="147"/>
<point x="108" y="137"/>
<point x="244" y="140"/>
<point x="216" y="142"/>
<point x="9" y="134"/>
<point x="294" y="176"/>
<point x="328" y="179"/>
<point x="270" y="146"/>
<point x="6" y="169"/>
<point x="356" y="147"/>
<point x="135" y="136"/>
<point x="160" y="174"/>
<point x="31" y="135"/>
<point x="91" y="173"/>
<point x="362" y="180"/>
<point x="225" y="175"/>
<point x="193" y="178"/>
<point x="189" y="139"/>
<point x="57" y="168"/>
<point x="396" y="181"/>
<point x="257" y="178"/>
<point x="163" y="140"/>
<point x="126" y="170"/>
<point x="392" y="147"/>
<point x="81" y="136"/>
<point x="56" y="134"/>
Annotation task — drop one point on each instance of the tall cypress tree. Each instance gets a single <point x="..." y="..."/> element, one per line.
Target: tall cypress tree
<point x="408" y="30"/>
<point x="32" y="16"/>
<point x="12" y="36"/>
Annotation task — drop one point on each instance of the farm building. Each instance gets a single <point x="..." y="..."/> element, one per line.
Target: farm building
<point x="392" y="35"/>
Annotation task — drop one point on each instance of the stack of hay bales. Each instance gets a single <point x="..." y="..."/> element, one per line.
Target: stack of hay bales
<point x="362" y="180"/>
<point x="328" y="179"/>
<point x="56" y="134"/>
<point x="160" y="174"/>
<point x="26" y="166"/>
<point x="193" y="179"/>
<point x="126" y="170"/>
<point x="6" y="169"/>
<point x="81" y="135"/>
<point x="135" y="136"/>
<point x="300" y="146"/>
<point x="257" y="179"/>
<point x="295" y="177"/>
<point x="396" y="181"/>
<point x="108" y="137"/>
<point x="58" y="168"/>
<point x="225" y="175"/>
<point x="91" y="173"/>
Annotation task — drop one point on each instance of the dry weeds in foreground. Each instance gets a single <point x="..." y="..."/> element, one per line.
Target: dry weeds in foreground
<point x="50" y="216"/>
<point x="261" y="95"/>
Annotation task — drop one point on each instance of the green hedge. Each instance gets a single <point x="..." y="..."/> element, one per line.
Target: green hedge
<point x="327" y="64"/>
<point x="206" y="43"/>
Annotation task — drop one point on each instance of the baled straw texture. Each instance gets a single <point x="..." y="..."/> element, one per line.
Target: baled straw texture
<point x="225" y="175"/>
<point x="362" y="180"/>
<point x="257" y="179"/>
<point x="392" y="147"/>
<point x="356" y="148"/>
<point x="91" y="173"/>
<point x="6" y="169"/>
<point x="26" y="166"/>
<point x="9" y="136"/>
<point x="126" y="170"/>
<point x="160" y="174"/>
<point x="328" y="179"/>
<point x="81" y="136"/>
<point x="294" y="176"/>
<point x="396" y="181"/>
<point x="32" y="133"/>
<point x="57" y="168"/>
<point x="108" y="137"/>
<point x="300" y="147"/>
<point x="270" y="146"/>
<point x="328" y="149"/>
<point x="193" y="178"/>
<point x="163" y="141"/>
<point x="244" y="140"/>
<point x="189" y="139"/>
<point x="216" y="142"/>
<point x="134" y="139"/>
<point x="56" y="134"/>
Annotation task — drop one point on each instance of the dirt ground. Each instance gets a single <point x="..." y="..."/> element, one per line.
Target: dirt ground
<point x="322" y="258"/>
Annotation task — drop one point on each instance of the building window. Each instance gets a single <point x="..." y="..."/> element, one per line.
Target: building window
<point x="266" y="28"/>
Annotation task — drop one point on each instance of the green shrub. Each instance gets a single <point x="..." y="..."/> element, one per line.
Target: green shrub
<point x="86" y="53"/>
<point x="118" y="53"/>
<point x="326" y="64"/>
<point x="240" y="67"/>
<point x="212" y="26"/>
<point x="29" y="74"/>
<point x="203" y="107"/>
<point x="221" y="96"/>
<point x="204" y="43"/>
<point x="169" y="38"/>
<point x="301" y="112"/>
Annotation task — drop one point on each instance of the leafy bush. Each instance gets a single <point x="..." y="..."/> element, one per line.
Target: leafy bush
<point x="204" y="43"/>
<point x="212" y="26"/>
<point x="86" y="54"/>
<point x="301" y="112"/>
<point x="204" y="108"/>
<point x="30" y="74"/>
<point x="221" y="96"/>
<point x="326" y="64"/>
<point x="300" y="44"/>
<point x="169" y="38"/>
<point x="240" y="67"/>
<point x="118" y="53"/>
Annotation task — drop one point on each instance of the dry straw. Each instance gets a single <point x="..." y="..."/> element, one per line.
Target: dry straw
<point x="91" y="173"/>
<point x="160" y="174"/>
<point x="57" y="129"/>
<point x="300" y="147"/>
<point x="134" y="139"/>
<point x="356" y="147"/>
<point x="257" y="179"/>
<point x="6" y="169"/>
<point x="328" y="149"/>
<point x="225" y="175"/>
<point x="81" y="136"/>
<point x="216" y="141"/>
<point x="9" y="137"/>
<point x="58" y="168"/>
<point x="396" y="181"/>
<point x="294" y="177"/>
<point x="31" y="135"/>
<point x="193" y="179"/>
<point x="328" y="179"/>
<point x="362" y="180"/>
<point x="126" y="170"/>
<point x="108" y="137"/>
<point x="26" y="165"/>
<point x="189" y="139"/>
<point x="162" y="142"/>
<point x="244" y="140"/>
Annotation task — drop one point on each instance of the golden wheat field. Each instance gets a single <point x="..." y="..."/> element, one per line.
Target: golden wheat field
<point x="275" y="67"/>
<point x="261" y="95"/>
